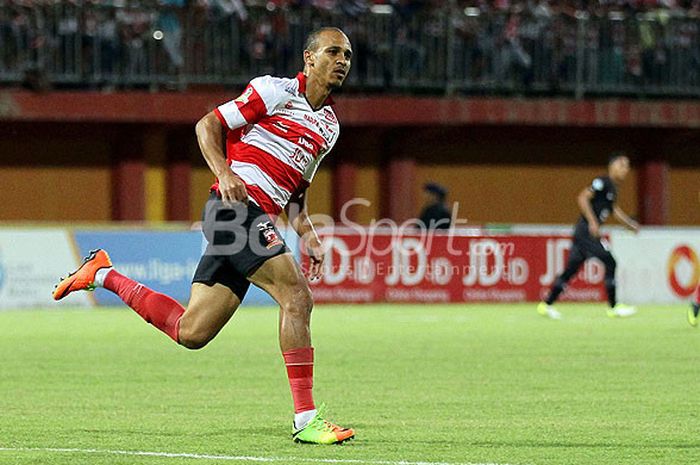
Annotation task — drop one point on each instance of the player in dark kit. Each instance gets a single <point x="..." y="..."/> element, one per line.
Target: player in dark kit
<point x="596" y="203"/>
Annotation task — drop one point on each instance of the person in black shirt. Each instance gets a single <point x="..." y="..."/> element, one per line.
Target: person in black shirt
<point x="435" y="215"/>
<point x="596" y="202"/>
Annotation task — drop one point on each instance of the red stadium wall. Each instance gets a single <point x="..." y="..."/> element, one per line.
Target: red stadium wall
<point x="503" y="160"/>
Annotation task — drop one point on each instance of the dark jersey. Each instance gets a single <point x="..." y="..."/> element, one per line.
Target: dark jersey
<point x="436" y="216"/>
<point x="604" y="197"/>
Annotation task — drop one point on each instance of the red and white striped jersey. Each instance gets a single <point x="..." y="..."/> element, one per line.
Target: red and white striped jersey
<point x="275" y="140"/>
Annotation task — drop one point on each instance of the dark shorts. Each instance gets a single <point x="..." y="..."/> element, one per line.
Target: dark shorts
<point x="239" y="240"/>
<point x="586" y="246"/>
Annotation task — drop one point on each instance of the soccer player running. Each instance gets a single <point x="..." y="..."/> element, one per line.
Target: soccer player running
<point x="596" y="203"/>
<point x="277" y="132"/>
<point x="694" y="309"/>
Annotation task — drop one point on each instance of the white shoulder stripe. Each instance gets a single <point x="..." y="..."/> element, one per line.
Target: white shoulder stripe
<point x="251" y="174"/>
<point x="232" y="115"/>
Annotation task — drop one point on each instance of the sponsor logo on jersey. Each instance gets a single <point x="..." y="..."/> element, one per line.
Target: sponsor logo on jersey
<point x="306" y="144"/>
<point x="311" y="119"/>
<point x="330" y="116"/>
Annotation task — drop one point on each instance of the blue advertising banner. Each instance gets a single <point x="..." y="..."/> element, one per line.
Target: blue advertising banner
<point x="164" y="261"/>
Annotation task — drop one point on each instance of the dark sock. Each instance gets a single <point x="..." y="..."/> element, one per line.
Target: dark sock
<point x="611" y="289"/>
<point x="556" y="291"/>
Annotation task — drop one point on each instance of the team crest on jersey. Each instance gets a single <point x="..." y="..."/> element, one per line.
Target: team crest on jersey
<point x="269" y="233"/>
<point x="245" y="96"/>
<point x="289" y="105"/>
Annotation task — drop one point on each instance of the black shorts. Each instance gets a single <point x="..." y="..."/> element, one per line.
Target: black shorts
<point x="239" y="240"/>
<point x="586" y="246"/>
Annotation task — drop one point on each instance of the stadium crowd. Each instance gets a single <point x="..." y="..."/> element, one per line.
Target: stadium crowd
<point x="632" y="42"/>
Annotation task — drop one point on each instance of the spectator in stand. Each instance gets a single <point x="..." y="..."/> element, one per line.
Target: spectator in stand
<point x="493" y="44"/>
<point x="435" y="214"/>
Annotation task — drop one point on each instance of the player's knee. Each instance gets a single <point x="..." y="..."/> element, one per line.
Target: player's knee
<point x="300" y="303"/>
<point x="192" y="338"/>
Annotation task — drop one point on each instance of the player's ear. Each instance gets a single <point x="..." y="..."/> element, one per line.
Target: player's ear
<point x="308" y="58"/>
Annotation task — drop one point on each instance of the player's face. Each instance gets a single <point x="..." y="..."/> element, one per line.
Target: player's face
<point x="620" y="168"/>
<point x="330" y="63"/>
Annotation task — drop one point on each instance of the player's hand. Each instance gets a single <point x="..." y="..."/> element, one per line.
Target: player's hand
<point x="314" y="248"/>
<point x="232" y="189"/>
<point x="594" y="229"/>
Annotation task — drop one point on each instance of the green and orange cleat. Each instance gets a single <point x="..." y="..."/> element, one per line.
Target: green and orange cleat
<point x="320" y="431"/>
<point x="83" y="279"/>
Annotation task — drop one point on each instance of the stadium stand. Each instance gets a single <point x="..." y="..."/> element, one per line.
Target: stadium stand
<point x="648" y="48"/>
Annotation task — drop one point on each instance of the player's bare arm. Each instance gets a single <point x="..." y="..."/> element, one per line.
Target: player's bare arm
<point x="625" y="219"/>
<point x="298" y="216"/>
<point x="584" y="203"/>
<point x="208" y="130"/>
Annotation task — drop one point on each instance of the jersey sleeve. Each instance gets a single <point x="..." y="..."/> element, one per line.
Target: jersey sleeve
<point x="259" y="99"/>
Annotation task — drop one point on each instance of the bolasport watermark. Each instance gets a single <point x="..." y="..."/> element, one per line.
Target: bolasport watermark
<point x="407" y="246"/>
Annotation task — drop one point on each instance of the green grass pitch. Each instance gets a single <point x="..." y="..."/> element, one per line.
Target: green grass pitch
<point x="451" y="384"/>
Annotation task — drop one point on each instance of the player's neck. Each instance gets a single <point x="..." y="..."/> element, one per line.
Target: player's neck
<point x="316" y="92"/>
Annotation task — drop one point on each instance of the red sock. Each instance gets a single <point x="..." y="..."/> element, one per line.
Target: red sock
<point x="697" y="294"/>
<point x="161" y="311"/>
<point x="300" y="370"/>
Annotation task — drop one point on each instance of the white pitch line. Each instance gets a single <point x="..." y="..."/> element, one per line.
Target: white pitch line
<point x="238" y="458"/>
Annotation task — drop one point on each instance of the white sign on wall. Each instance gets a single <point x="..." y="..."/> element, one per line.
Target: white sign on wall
<point x="657" y="266"/>
<point x="31" y="262"/>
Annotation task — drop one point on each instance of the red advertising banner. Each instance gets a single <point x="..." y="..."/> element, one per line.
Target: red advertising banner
<point x="449" y="268"/>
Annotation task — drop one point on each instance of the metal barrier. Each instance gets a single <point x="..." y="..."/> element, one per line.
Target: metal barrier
<point x="138" y="44"/>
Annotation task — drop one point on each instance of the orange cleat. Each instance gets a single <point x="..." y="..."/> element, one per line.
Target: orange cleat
<point x="83" y="279"/>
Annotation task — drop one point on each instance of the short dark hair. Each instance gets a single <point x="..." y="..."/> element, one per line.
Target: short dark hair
<point x="312" y="39"/>
<point x="615" y="155"/>
<point x="436" y="189"/>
